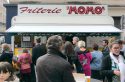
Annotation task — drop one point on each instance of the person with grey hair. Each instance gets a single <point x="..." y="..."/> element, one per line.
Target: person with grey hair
<point x="75" y="40"/>
<point x="52" y="67"/>
<point x="85" y="58"/>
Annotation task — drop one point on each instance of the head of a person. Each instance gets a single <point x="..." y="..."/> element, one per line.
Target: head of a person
<point x="55" y="42"/>
<point x="5" y="47"/>
<point x="6" y="71"/>
<point x="115" y="48"/>
<point x="68" y="48"/>
<point x="105" y="42"/>
<point x="75" y="40"/>
<point x="120" y="43"/>
<point x="38" y="40"/>
<point x="25" y="50"/>
<point x="95" y="46"/>
<point x="81" y="45"/>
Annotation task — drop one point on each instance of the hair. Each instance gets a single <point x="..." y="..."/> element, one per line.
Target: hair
<point x="7" y="67"/>
<point x="68" y="48"/>
<point x="95" y="46"/>
<point x="120" y="42"/>
<point x="106" y="41"/>
<point x="38" y="40"/>
<point x="115" y="42"/>
<point x="54" y="41"/>
<point x="5" y="47"/>
<point x="81" y="44"/>
<point x="75" y="37"/>
<point x="25" y="50"/>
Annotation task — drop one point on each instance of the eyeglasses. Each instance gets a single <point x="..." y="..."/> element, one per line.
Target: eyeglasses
<point x="116" y="48"/>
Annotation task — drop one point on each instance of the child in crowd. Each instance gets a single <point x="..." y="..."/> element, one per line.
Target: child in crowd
<point x="6" y="73"/>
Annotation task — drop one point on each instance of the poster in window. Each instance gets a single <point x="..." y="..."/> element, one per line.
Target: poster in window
<point x="26" y="38"/>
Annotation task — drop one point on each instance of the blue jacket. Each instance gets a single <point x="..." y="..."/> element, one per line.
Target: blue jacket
<point x="96" y="60"/>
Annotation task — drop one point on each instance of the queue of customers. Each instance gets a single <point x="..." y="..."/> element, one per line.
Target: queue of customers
<point x="56" y="60"/>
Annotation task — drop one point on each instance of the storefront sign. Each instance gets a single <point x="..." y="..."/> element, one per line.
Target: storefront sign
<point x="62" y="10"/>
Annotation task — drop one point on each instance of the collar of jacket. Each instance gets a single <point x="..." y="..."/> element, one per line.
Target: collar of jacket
<point x="53" y="51"/>
<point x="82" y="52"/>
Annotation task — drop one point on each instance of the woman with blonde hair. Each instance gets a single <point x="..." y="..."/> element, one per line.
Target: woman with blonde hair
<point x="113" y="65"/>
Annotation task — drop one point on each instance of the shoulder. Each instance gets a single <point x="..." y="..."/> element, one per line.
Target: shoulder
<point x="53" y="59"/>
<point x="88" y="53"/>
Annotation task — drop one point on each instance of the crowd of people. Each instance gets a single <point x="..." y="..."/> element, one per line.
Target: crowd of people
<point x="56" y="60"/>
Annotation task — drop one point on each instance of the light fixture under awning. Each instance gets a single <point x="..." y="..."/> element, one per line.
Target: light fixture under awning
<point x="60" y="29"/>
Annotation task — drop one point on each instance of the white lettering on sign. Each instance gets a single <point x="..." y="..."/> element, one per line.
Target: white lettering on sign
<point x="62" y="10"/>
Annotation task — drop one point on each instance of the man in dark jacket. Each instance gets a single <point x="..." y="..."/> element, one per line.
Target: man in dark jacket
<point x="37" y="51"/>
<point x="105" y="50"/>
<point x="52" y="67"/>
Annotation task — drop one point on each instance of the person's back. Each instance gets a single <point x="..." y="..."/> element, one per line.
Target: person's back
<point x="85" y="58"/>
<point x="52" y="67"/>
<point x="38" y="50"/>
<point x="25" y="61"/>
<point x="48" y="72"/>
<point x="6" y="55"/>
<point x="69" y="52"/>
<point x="96" y="60"/>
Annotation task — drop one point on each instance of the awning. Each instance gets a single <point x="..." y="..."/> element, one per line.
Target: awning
<point x="59" y="29"/>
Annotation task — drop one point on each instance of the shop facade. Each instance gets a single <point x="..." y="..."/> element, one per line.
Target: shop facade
<point x="90" y="23"/>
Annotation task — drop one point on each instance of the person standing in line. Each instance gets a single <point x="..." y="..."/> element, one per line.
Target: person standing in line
<point x="52" y="67"/>
<point x="37" y="51"/>
<point x="96" y="62"/>
<point x="7" y="54"/>
<point x="69" y="52"/>
<point x="76" y="49"/>
<point x="24" y="62"/>
<point x="85" y="58"/>
<point x="105" y="50"/>
<point x="113" y="65"/>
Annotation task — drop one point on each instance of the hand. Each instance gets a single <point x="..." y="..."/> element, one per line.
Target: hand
<point x="117" y="72"/>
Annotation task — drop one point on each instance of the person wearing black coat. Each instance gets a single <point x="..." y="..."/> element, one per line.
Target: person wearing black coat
<point x="7" y="54"/>
<point x="37" y="51"/>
